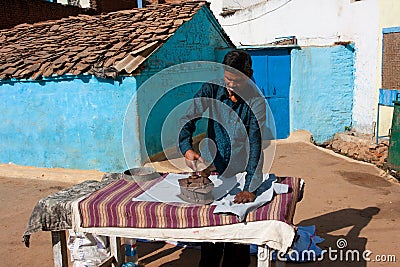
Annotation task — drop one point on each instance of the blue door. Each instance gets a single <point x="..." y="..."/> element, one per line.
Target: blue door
<point x="272" y="75"/>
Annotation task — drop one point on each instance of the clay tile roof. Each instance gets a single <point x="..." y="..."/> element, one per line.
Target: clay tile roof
<point x="103" y="45"/>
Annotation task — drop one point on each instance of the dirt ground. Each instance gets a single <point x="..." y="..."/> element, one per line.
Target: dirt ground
<point x="343" y="199"/>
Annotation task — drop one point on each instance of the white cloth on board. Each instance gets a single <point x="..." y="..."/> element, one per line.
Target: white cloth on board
<point x="168" y="189"/>
<point x="265" y="193"/>
<point x="224" y="191"/>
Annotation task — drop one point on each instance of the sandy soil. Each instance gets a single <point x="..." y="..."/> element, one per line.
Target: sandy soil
<point x="343" y="198"/>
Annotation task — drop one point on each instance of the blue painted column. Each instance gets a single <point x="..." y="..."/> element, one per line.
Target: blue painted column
<point x="322" y="89"/>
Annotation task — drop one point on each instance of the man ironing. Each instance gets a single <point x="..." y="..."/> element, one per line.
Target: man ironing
<point x="236" y="117"/>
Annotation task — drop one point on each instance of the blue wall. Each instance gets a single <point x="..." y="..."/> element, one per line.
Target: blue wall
<point x="69" y="122"/>
<point x="321" y="99"/>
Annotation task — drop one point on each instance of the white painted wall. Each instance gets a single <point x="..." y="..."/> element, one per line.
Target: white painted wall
<point x="318" y="23"/>
<point x="83" y="3"/>
<point x="239" y="4"/>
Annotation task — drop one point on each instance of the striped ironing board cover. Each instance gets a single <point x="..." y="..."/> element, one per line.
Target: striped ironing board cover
<point x="112" y="206"/>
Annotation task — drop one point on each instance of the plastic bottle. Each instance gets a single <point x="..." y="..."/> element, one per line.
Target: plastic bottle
<point x="131" y="256"/>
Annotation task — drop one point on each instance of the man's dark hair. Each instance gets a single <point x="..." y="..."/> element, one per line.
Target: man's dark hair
<point x="240" y="60"/>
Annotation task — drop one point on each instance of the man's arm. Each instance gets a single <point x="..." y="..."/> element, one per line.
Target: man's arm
<point x="254" y="167"/>
<point x="254" y="176"/>
<point x="188" y="124"/>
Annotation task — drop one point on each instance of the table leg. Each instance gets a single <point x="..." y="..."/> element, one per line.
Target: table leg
<point x="59" y="242"/>
<point x="116" y="252"/>
<point x="279" y="263"/>
<point x="264" y="256"/>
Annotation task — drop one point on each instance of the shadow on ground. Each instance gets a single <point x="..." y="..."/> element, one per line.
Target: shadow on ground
<point x="345" y="250"/>
<point x="341" y="250"/>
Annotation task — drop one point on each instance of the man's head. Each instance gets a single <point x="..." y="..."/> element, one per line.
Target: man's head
<point x="239" y="60"/>
<point x="238" y="69"/>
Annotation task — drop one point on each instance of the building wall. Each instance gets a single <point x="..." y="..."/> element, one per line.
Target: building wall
<point x="325" y="76"/>
<point x="389" y="11"/>
<point x="234" y="4"/>
<point x="69" y="122"/>
<point x="104" y="6"/>
<point x="89" y="123"/>
<point x="319" y="23"/>
<point x="14" y="12"/>
<point x="196" y="40"/>
<point x="82" y="3"/>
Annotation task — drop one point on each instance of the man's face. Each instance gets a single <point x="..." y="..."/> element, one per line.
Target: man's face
<point x="234" y="81"/>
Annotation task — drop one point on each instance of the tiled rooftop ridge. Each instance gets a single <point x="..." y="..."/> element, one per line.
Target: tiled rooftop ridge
<point x="104" y="45"/>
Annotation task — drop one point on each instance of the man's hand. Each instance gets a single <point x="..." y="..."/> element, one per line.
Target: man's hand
<point x="244" y="197"/>
<point x="192" y="158"/>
